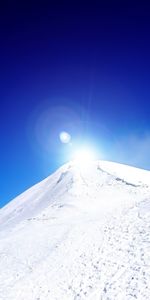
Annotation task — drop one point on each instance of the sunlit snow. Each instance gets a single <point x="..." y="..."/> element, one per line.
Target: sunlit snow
<point x="79" y="234"/>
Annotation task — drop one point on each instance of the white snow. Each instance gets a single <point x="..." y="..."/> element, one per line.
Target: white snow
<point x="78" y="234"/>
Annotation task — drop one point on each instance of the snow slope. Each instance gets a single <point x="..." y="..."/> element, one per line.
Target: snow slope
<point x="78" y="234"/>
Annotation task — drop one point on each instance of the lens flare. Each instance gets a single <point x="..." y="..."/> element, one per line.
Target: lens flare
<point x="65" y="137"/>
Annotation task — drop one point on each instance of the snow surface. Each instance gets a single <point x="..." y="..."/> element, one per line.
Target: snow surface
<point x="78" y="234"/>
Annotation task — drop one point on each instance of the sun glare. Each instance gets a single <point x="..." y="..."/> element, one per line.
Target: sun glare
<point x="83" y="158"/>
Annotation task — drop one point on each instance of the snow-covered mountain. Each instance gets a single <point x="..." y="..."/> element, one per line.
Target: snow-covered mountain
<point x="78" y="234"/>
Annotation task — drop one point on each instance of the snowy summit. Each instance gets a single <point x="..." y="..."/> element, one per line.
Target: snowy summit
<point x="82" y="233"/>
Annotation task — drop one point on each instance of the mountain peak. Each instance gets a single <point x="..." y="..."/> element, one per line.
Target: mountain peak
<point x="76" y="186"/>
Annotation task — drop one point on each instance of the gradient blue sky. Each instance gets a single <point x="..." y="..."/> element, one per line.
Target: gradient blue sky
<point x="82" y="68"/>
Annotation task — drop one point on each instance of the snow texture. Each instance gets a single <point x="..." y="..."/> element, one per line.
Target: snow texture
<point x="79" y="234"/>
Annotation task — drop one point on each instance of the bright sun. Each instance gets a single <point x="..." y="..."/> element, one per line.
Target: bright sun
<point x="83" y="157"/>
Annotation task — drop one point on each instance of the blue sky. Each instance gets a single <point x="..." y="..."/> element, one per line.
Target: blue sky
<point x="80" y="68"/>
